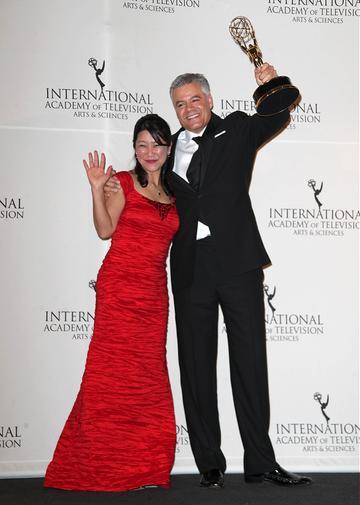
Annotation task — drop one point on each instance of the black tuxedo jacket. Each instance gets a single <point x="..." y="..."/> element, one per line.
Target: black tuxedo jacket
<point x="222" y="169"/>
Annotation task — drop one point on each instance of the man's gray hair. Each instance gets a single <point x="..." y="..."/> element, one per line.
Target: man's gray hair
<point x="182" y="79"/>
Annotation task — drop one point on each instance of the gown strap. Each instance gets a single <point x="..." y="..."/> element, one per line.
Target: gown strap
<point x="126" y="181"/>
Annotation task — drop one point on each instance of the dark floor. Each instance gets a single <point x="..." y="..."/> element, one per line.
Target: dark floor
<point x="327" y="489"/>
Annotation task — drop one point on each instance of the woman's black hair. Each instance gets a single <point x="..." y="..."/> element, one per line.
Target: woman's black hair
<point x="160" y="132"/>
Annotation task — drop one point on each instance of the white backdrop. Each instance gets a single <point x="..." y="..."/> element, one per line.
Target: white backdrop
<point x="52" y="114"/>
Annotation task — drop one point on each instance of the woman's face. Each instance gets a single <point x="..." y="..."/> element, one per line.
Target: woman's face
<point x="150" y="155"/>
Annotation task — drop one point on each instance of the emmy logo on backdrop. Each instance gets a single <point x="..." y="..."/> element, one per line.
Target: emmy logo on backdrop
<point x="323" y="405"/>
<point x="312" y="184"/>
<point x="274" y="96"/>
<point x="98" y="71"/>
<point x="92" y="285"/>
<point x="269" y="297"/>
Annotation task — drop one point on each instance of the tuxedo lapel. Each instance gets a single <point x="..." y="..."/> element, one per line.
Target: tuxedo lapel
<point x="207" y="145"/>
<point x="194" y="170"/>
<point x="172" y="151"/>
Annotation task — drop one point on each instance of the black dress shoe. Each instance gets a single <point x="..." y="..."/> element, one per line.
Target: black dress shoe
<point x="212" y="478"/>
<point x="279" y="476"/>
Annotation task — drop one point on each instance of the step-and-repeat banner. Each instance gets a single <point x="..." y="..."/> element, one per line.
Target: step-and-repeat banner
<point x="76" y="75"/>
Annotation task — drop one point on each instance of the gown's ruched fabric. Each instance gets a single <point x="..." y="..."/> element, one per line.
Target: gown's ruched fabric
<point x="120" y="434"/>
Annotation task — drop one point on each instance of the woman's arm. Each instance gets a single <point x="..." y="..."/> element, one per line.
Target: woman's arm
<point x="106" y="211"/>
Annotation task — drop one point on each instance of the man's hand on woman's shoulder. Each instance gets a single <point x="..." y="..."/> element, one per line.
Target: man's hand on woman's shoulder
<point x="112" y="185"/>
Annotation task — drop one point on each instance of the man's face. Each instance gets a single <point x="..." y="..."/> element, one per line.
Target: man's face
<point x="192" y="106"/>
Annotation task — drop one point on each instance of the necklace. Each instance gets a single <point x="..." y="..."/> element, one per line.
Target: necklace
<point x="157" y="189"/>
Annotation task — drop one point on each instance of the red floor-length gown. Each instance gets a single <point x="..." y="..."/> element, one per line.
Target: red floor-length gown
<point x="120" y="434"/>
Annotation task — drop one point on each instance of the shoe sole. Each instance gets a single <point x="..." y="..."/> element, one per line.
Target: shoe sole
<point x="213" y="485"/>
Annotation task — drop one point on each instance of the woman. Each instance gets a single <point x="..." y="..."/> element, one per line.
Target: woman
<point x="120" y="434"/>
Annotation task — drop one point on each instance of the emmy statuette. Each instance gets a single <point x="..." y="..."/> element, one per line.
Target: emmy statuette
<point x="274" y="96"/>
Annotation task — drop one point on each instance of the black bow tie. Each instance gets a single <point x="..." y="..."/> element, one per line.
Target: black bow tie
<point x="198" y="140"/>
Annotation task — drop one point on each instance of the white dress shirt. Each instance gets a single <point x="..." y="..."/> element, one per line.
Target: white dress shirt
<point x="185" y="148"/>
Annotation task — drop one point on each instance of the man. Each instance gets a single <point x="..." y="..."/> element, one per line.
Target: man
<point x="217" y="259"/>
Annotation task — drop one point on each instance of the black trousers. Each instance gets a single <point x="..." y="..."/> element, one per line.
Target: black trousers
<point x="196" y="308"/>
